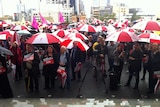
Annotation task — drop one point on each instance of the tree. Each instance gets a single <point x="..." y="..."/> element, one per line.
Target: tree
<point x="107" y="16"/>
<point x="135" y="16"/>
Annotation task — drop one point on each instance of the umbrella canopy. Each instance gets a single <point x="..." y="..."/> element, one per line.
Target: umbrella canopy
<point x="101" y="28"/>
<point x="77" y="35"/>
<point x="43" y="38"/>
<point x="149" y="37"/>
<point x="6" y="34"/>
<point x="23" y="32"/>
<point x="20" y="27"/>
<point x="4" y="51"/>
<point x="87" y="28"/>
<point x="147" y="25"/>
<point x="69" y="44"/>
<point x="61" y="33"/>
<point x="122" y="36"/>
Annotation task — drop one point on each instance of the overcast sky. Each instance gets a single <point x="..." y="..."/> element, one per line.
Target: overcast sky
<point x="10" y="6"/>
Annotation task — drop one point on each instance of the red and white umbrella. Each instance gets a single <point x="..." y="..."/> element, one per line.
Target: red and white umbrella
<point x="3" y="24"/>
<point x="87" y="28"/>
<point x="77" y="35"/>
<point x="43" y="38"/>
<point x="6" y="34"/>
<point x="111" y="21"/>
<point x="119" y="25"/>
<point x="147" y="25"/>
<point x="20" y="27"/>
<point x="61" y="33"/>
<point x="69" y="44"/>
<point x="122" y="36"/>
<point x="72" y="30"/>
<point x="101" y="28"/>
<point x="149" y="37"/>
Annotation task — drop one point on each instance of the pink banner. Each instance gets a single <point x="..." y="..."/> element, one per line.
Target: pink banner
<point x="43" y="20"/>
<point x="34" y="23"/>
<point x="61" y="18"/>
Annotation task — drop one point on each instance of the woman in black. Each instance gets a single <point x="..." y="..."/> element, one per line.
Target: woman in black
<point x="51" y="63"/>
<point x="5" y="89"/>
<point x="153" y="65"/>
<point x="135" y="60"/>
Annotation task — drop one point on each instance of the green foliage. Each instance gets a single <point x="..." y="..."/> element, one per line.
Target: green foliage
<point x="107" y="16"/>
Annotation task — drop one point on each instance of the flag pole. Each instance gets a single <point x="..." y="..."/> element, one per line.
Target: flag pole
<point x="39" y="5"/>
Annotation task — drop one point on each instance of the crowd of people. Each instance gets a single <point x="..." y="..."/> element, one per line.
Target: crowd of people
<point x="27" y="57"/>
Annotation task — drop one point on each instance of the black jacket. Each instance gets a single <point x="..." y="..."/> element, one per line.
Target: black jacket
<point x="154" y="61"/>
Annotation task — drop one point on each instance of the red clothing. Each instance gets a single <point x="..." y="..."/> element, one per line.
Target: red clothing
<point x="17" y="58"/>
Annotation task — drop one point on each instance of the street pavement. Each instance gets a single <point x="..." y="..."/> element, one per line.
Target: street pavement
<point x="89" y="88"/>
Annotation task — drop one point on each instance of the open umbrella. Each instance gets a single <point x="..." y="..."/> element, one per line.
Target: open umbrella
<point x="4" y="51"/>
<point x="87" y="28"/>
<point x="147" y="25"/>
<point x="122" y="36"/>
<point x="101" y="28"/>
<point x="149" y="38"/>
<point x="69" y="44"/>
<point x="6" y="34"/>
<point x="20" y="27"/>
<point x="43" y="38"/>
<point x="23" y="32"/>
<point x="77" y="35"/>
<point x="61" y="33"/>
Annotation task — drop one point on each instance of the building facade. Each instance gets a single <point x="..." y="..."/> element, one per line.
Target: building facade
<point x="121" y="10"/>
<point x="50" y="10"/>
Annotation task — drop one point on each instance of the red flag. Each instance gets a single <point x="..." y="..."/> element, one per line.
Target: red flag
<point x="34" y="23"/>
<point x="62" y="75"/>
<point x="42" y="19"/>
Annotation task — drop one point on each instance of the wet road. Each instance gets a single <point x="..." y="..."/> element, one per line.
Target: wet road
<point x="90" y="87"/>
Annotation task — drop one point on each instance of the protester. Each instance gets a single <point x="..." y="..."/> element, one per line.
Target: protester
<point x="145" y="59"/>
<point x="101" y="53"/>
<point x="135" y="60"/>
<point x="118" y="61"/>
<point x="76" y="58"/>
<point x="65" y="62"/>
<point x="50" y="65"/>
<point x="5" y="89"/>
<point x="153" y="66"/>
<point x="16" y="59"/>
<point x="111" y="49"/>
<point x="31" y="68"/>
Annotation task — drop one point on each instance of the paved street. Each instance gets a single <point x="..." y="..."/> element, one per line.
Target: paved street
<point x="90" y="88"/>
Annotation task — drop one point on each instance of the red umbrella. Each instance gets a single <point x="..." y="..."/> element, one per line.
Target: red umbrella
<point x="102" y="28"/>
<point x="3" y="24"/>
<point x="149" y="37"/>
<point x="77" y="35"/>
<point x="61" y="33"/>
<point x="6" y="34"/>
<point x="72" y="30"/>
<point x="43" y="38"/>
<point x="119" y="25"/>
<point x="147" y="25"/>
<point x="144" y="37"/>
<point x="87" y="28"/>
<point x="122" y="36"/>
<point x="20" y="27"/>
<point x="69" y="44"/>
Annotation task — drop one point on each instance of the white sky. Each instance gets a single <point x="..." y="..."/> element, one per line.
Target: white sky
<point x="151" y="6"/>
